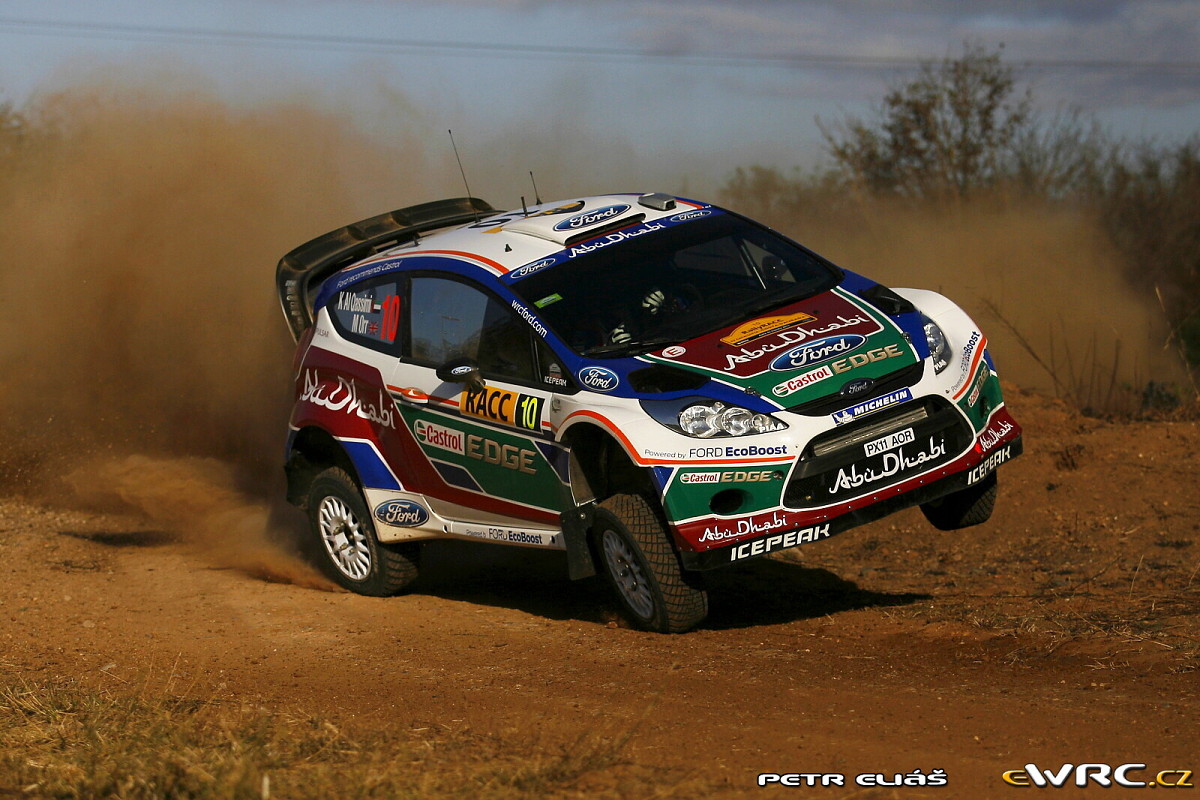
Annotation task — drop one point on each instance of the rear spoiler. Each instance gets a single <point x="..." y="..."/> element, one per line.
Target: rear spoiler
<point x="302" y="270"/>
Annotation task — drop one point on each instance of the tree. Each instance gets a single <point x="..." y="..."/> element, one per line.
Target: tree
<point x="14" y="130"/>
<point x="953" y="129"/>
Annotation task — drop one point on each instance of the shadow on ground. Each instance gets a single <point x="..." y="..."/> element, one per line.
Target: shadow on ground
<point x="762" y="592"/>
<point x="134" y="538"/>
<point x="765" y="592"/>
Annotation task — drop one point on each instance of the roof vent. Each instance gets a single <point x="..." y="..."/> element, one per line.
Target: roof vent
<point x="658" y="201"/>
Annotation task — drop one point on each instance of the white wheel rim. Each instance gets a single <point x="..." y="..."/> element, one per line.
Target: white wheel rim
<point x="627" y="574"/>
<point x="344" y="539"/>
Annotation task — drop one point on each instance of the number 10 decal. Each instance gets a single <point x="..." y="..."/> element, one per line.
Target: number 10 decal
<point x="391" y="317"/>
<point x="529" y="412"/>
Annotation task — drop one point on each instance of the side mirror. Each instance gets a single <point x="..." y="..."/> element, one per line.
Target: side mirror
<point x="462" y="370"/>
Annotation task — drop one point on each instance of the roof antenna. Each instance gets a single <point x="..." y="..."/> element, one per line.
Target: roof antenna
<point x="524" y="210"/>
<point x="537" y="198"/>
<point x="463" y="173"/>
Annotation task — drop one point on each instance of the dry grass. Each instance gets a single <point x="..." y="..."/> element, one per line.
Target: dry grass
<point x="1089" y="378"/>
<point x="65" y="741"/>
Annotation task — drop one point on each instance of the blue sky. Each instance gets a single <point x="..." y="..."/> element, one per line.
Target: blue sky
<point x="675" y="91"/>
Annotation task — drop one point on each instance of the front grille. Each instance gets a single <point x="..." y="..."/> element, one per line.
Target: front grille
<point x="900" y="379"/>
<point x="860" y="434"/>
<point x="877" y="451"/>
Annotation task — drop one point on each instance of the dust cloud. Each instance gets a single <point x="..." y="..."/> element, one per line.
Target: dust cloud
<point x="1043" y="283"/>
<point x="141" y="343"/>
<point x="144" y="359"/>
<point x="197" y="498"/>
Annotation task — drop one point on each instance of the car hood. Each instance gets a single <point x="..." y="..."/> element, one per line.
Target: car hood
<point x="810" y="349"/>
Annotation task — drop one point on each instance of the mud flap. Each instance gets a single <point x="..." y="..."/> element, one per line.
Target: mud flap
<point x="575" y="526"/>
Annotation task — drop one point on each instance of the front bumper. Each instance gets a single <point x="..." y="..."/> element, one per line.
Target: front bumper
<point x="788" y="529"/>
<point x="830" y="489"/>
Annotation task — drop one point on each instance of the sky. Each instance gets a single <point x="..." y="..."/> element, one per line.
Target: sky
<point x="684" y="91"/>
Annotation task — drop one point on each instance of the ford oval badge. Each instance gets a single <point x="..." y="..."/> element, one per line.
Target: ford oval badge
<point x="401" y="513"/>
<point x="817" y="352"/>
<point x="599" y="379"/>
<point x="590" y="218"/>
<point x="858" y="386"/>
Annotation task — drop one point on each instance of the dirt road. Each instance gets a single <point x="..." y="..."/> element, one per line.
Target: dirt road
<point x="1063" y="631"/>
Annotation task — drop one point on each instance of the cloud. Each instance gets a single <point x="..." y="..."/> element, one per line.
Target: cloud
<point x="1091" y="52"/>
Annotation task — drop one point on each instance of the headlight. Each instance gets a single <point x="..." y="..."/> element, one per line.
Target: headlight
<point x="939" y="349"/>
<point x="705" y="420"/>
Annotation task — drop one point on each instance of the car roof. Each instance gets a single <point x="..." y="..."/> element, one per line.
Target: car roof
<point x="502" y="242"/>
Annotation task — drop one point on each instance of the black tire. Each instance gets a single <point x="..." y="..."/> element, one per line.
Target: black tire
<point x="344" y="542"/>
<point x="641" y="564"/>
<point x="963" y="508"/>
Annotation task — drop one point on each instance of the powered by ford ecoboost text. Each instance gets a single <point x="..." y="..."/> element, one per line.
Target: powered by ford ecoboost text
<point x="656" y="386"/>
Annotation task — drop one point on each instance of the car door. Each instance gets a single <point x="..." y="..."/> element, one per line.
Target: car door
<point x="489" y="452"/>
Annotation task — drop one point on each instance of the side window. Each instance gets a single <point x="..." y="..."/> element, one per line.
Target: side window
<point x="454" y="320"/>
<point x="506" y="347"/>
<point x="369" y="312"/>
<point x="447" y="320"/>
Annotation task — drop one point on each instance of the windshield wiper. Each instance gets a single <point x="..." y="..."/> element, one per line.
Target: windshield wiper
<point x="627" y="348"/>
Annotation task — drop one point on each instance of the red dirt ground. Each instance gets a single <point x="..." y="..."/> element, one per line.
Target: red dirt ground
<point x="1064" y="630"/>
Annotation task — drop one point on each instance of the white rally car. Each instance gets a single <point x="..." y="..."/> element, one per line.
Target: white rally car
<point x="656" y="386"/>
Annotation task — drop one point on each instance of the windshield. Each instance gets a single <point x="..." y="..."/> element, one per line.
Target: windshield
<point x="672" y="285"/>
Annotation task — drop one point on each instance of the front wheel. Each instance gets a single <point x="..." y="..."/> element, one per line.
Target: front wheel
<point x="344" y="539"/>
<point x="643" y="567"/>
<point x="964" y="508"/>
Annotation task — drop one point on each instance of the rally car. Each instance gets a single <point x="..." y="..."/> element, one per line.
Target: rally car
<point x="656" y="386"/>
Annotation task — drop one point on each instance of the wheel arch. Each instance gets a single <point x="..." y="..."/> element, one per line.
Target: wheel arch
<point x="313" y="450"/>
<point x="602" y="466"/>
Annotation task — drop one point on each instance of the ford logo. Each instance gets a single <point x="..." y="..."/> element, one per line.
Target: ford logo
<point x="529" y="269"/>
<point x="857" y="387"/>
<point x="589" y="218"/>
<point x="817" y="352"/>
<point x="401" y="513"/>
<point x="697" y="214"/>
<point x="599" y="379"/>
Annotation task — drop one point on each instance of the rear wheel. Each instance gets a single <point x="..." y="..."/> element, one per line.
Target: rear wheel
<point x="643" y="567"/>
<point x="963" y="508"/>
<point x="344" y="541"/>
